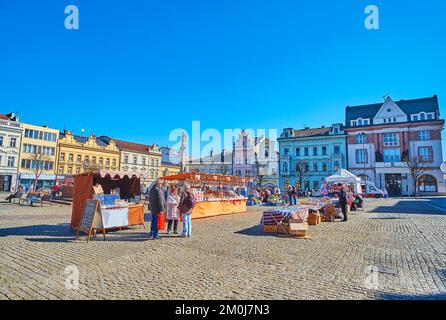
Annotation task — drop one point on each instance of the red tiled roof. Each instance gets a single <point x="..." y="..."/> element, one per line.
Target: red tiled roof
<point x="311" y="132"/>
<point x="132" y="146"/>
<point x="3" y="117"/>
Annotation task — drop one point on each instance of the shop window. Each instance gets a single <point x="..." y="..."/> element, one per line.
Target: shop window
<point x="427" y="183"/>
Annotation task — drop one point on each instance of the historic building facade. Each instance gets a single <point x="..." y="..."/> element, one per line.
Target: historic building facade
<point x="219" y="163"/>
<point x="78" y="154"/>
<point x="309" y="156"/>
<point x="140" y="159"/>
<point x="386" y="139"/>
<point x="11" y="131"/>
<point x="38" y="156"/>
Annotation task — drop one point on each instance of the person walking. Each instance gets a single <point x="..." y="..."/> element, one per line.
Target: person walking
<point x="173" y="215"/>
<point x="290" y="194"/>
<point x="343" y="201"/>
<point x="187" y="203"/>
<point x="157" y="204"/>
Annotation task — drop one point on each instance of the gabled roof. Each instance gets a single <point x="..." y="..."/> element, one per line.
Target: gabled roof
<point x="413" y="106"/>
<point x="83" y="140"/>
<point x="312" y="132"/>
<point x="129" y="146"/>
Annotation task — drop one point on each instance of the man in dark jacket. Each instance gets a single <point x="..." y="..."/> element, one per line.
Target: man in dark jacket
<point x="343" y="202"/>
<point x="157" y="205"/>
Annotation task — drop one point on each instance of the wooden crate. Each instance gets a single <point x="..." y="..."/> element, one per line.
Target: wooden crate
<point x="275" y="229"/>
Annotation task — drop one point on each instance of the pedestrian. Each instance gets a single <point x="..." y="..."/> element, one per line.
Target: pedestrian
<point x="343" y="201"/>
<point x="187" y="203"/>
<point x="290" y="194"/>
<point x="294" y="193"/>
<point x="157" y="204"/>
<point x="172" y="216"/>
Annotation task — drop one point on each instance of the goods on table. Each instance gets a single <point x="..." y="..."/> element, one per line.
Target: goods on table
<point x="218" y="195"/>
<point x="278" y="220"/>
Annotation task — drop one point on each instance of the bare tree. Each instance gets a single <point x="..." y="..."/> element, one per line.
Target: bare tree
<point x="39" y="160"/>
<point x="416" y="168"/>
<point x="301" y="171"/>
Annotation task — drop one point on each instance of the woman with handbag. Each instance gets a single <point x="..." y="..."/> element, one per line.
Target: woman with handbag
<point x="173" y="215"/>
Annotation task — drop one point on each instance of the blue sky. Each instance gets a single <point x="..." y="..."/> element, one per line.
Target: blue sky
<point x="136" y="70"/>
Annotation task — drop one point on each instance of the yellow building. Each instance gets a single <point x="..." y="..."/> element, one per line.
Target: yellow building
<point x="38" y="156"/>
<point x="78" y="154"/>
<point x="168" y="169"/>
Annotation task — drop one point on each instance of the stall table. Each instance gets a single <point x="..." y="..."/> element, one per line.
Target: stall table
<point x="213" y="208"/>
<point x="122" y="217"/>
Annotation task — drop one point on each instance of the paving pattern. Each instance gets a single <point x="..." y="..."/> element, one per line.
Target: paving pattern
<point x="396" y="249"/>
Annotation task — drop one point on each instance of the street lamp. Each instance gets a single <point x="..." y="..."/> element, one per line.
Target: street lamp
<point x="363" y="138"/>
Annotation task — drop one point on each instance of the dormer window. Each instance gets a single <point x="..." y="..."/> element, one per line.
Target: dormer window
<point x="422" y="117"/>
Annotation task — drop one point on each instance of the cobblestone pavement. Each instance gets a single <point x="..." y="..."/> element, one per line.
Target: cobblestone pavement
<point x="230" y="257"/>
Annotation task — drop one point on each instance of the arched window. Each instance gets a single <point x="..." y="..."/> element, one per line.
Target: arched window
<point x="423" y="116"/>
<point x="285" y="167"/>
<point x="427" y="183"/>
<point x="360" y="122"/>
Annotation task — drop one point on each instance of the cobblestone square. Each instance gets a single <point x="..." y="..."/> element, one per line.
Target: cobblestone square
<point x="394" y="250"/>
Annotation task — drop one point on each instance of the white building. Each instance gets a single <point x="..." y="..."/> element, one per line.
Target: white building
<point x="11" y="132"/>
<point x="219" y="163"/>
<point x="382" y="137"/>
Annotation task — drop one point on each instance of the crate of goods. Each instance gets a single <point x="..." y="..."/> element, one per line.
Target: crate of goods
<point x="298" y="228"/>
<point x="329" y="213"/>
<point x="281" y="228"/>
<point x="314" y="219"/>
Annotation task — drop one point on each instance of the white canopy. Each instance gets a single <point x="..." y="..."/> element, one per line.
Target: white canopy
<point x="344" y="176"/>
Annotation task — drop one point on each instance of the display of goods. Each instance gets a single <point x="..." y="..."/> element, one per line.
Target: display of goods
<point x="283" y="214"/>
<point x="199" y="195"/>
<point x="283" y="228"/>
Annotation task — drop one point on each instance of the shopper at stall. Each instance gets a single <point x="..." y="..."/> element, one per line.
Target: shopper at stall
<point x="173" y="215"/>
<point x="187" y="203"/>
<point x="343" y="201"/>
<point x="157" y="204"/>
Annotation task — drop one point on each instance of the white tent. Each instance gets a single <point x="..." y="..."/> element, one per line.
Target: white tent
<point x="343" y="176"/>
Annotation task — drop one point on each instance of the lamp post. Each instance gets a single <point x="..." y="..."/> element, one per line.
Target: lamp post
<point x="363" y="138"/>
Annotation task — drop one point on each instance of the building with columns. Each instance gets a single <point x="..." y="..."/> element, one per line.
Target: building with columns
<point x="383" y="136"/>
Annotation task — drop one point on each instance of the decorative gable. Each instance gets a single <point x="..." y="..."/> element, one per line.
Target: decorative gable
<point x="390" y="113"/>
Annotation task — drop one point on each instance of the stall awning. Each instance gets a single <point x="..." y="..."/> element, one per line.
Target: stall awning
<point x="208" y="177"/>
<point x="119" y="174"/>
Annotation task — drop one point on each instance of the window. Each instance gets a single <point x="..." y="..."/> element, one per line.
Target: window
<point x="336" y="131"/>
<point x="11" y="162"/>
<point x="286" y="152"/>
<point x="307" y="167"/>
<point x="1" y="141"/>
<point x="353" y="123"/>
<point x="366" y="122"/>
<point x="61" y="169"/>
<point x="392" y="155"/>
<point x="152" y="162"/>
<point x="422" y="117"/>
<point x="87" y="159"/>
<point x="415" y="118"/>
<point x="13" y="142"/>
<point x="315" y="167"/>
<point x="337" y="150"/>
<point x="79" y="158"/>
<point x="324" y="167"/>
<point x="359" y="122"/>
<point x="101" y="161"/>
<point x="248" y="173"/>
<point x="424" y="135"/>
<point x="429" y="116"/>
<point x="306" y="152"/>
<point x="71" y="157"/>
<point x="107" y="162"/>
<point x="143" y="161"/>
<point x="298" y="152"/>
<point x="361" y="138"/>
<point x="426" y="154"/>
<point x="285" y="167"/>
<point x="314" y="151"/>
<point x="62" y="156"/>
<point x="336" y="166"/>
<point x="135" y="159"/>
<point x="361" y="156"/>
<point x="324" y="151"/>
<point x="238" y="173"/>
<point x="427" y="183"/>
<point x="126" y="158"/>
<point x="316" y="185"/>
<point x="114" y="162"/>
<point x="70" y="170"/>
<point x="93" y="160"/>
<point x="391" y="138"/>
<point x="78" y="170"/>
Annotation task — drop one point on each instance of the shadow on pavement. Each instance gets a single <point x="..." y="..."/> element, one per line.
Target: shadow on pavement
<point x="395" y="296"/>
<point x="63" y="233"/>
<point x="256" y="231"/>
<point x="411" y="207"/>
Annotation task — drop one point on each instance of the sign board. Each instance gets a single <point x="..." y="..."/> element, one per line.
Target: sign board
<point x="91" y="219"/>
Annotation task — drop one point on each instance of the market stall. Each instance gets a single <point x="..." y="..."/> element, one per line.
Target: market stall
<point x="345" y="177"/>
<point x="119" y="202"/>
<point x="216" y="194"/>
